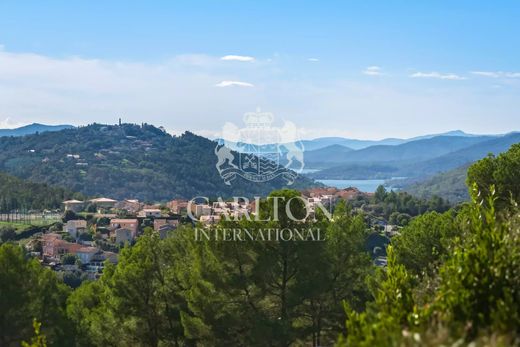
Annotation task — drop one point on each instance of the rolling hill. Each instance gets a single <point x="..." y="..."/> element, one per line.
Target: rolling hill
<point x="326" y="155"/>
<point x="418" y="150"/>
<point x="33" y="129"/>
<point x="450" y="185"/>
<point x="461" y="157"/>
<point x="417" y="159"/>
<point x="127" y="161"/>
<point x="311" y="145"/>
<point x="356" y="144"/>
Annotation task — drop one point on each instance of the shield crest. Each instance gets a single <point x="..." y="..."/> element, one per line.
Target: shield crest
<point x="260" y="159"/>
<point x="260" y="148"/>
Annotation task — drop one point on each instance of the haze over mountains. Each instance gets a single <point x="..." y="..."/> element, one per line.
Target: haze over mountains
<point x="415" y="150"/>
<point x="130" y="160"/>
<point x="412" y="159"/>
<point x="430" y="165"/>
<point x="323" y="142"/>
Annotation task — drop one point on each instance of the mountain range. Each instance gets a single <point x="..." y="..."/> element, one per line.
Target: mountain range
<point x="356" y="144"/>
<point x="126" y="161"/>
<point x="416" y="150"/>
<point x="416" y="159"/>
<point x="144" y="162"/>
<point x="33" y="129"/>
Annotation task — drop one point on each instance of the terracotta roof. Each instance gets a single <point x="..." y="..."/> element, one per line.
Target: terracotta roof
<point x="88" y="250"/>
<point x="51" y="236"/>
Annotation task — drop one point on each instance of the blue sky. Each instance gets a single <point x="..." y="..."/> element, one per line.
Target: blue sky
<point x="365" y="69"/>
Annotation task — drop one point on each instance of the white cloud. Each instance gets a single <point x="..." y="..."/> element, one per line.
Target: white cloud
<point x="238" y="58"/>
<point x="233" y="84"/>
<point x="9" y="124"/>
<point x="372" y="71"/>
<point x="313" y="60"/>
<point x="180" y="94"/>
<point x="438" y="75"/>
<point x="486" y="74"/>
<point x="496" y="74"/>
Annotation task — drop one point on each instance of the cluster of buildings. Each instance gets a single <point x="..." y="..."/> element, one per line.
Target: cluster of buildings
<point x="88" y="240"/>
<point x="333" y="194"/>
<point x="101" y="204"/>
<point x="92" y="259"/>
<point x="315" y="198"/>
<point x="116" y="231"/>
<point x="212" y="214"/>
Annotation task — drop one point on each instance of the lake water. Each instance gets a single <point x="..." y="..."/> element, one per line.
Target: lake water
<point x="367" y="186"/>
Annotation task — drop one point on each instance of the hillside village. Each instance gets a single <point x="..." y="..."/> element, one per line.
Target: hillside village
<point x="95" y="230"/>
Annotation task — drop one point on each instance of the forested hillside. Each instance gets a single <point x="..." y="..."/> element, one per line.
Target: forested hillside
<point x="16" y="193"/>
<point x="452" y="279"/>
<point x="450" y="185"/>
<point x="125" y="161"/>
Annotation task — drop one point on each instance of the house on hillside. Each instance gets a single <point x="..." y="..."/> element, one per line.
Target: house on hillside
<point x="103" y="203"/>
<point x="130" y="205"/>
<point x="178" y="206"/>
<point x="75" y="227"/>
<point x="150" y="213"/>
<point x="85" y="254"/>
<point x="97" y="263"/>
<point x="124" y="230"/>
<point x="53" y="246"/>
<point x="158" y="223"/>
<point x="202" y="210"/>
<point x="121" y="223"/>
<point x="73" y="205"/>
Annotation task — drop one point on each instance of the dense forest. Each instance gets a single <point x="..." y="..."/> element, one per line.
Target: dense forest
<point x="18" y="194"/>
<point x="126" y="161"/>
<point x="451" y="185"/>
<point x="451" y="278"/>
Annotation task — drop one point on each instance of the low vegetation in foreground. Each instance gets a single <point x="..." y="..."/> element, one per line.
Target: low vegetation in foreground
<point x="452" y="279"/>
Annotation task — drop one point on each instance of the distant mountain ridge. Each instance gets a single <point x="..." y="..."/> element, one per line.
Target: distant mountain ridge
<point x="465" y="155"/>
<point x="323" y="142"/>
<point x="144" y="162"/>
<point x="329" y="154"/>
<point x="356" y="144"/>
<point x="33" y="129"/>
<point x="417" y="150"/>
<point x="416" y="159"/>
<point x="127" y="161"/>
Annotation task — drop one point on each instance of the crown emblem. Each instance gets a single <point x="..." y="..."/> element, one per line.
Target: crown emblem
<point x="259" y="152"/>
<point x="258" y="119"/>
